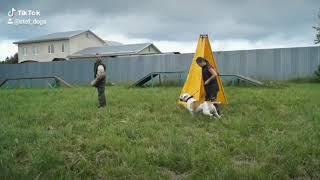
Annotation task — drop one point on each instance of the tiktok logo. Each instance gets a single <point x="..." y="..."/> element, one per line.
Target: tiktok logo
<point x="11" y="15"/>
<point x="25" y="17"/>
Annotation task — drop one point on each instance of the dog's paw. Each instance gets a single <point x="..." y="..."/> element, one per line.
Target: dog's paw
<point x="216" y="115"/>
<point x="213" y="117"/>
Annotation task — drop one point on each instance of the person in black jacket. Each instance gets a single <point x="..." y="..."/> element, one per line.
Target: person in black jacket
<point x="100" y="80"/>
<point x="209" y="76"/>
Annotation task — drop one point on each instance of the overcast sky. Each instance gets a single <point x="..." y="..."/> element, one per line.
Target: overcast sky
<point x="172" y="25"/>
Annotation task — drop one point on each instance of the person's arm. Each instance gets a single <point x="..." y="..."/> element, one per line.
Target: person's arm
<point x="214" y="75"/>
<point x="100" y="75"/>
<point x="101" y="72"/>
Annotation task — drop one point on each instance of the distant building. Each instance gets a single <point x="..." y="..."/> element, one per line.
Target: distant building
<point x="117" y="50"/>
<point x="57" y="45"/>
<point x="74" y="45"/>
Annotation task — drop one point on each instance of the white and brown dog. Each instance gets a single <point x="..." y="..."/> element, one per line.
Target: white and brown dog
<point x="194" y="106"/>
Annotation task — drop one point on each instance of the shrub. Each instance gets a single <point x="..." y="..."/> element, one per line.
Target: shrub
<point x="317" y="73"/>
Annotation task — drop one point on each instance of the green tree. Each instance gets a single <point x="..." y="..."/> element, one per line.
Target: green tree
<point x="317" y="28"/>
<point x="11" y="60"/>
<point x="316" y="41"/>
<point x="317" y="73"/>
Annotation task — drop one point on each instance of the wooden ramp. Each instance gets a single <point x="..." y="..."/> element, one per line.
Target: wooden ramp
<point x="244" y="78"/>
<point x="153" y="75"/>
<point x="145" y="79"/>
<point x="60" y="80"/>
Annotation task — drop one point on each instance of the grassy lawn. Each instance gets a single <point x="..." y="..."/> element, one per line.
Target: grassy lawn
<point x="266" y="133"/>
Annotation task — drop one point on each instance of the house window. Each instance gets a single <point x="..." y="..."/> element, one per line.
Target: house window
<point x="62" y="47"/>
<point x="51" y="49"/>
<point x="35" y="50"/>
<point x="87" y="35"/>
<point x="25" y="51"/>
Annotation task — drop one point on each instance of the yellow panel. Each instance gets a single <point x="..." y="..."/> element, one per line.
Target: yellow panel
<point x="194" y="83"/>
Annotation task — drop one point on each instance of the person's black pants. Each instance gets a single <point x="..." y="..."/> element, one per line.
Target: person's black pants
<point x="101" y="96"/>
<point x="211" y="95"/>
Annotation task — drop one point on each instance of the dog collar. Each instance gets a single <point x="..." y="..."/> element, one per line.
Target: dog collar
<point x="189" y="98"/>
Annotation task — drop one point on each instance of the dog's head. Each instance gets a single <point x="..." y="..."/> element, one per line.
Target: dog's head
<point x="185" y="97"/>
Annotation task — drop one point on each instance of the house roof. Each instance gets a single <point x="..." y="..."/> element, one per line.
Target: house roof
<point x="118" y="50"/>
<point x="55" y="36"/>
<point x="113" y="43"/>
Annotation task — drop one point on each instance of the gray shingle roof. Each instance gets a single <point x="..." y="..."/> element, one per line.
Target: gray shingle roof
<point x="53" y="36"/>
<point x="113" y="43"/>
<point x="118" y="50"/>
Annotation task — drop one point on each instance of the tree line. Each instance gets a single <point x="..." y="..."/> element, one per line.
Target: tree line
<point x="10" y="60"/>
<point x="317" y="28"/>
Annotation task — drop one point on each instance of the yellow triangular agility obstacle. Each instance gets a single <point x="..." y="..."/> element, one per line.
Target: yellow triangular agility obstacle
<point x="194" y="84"/>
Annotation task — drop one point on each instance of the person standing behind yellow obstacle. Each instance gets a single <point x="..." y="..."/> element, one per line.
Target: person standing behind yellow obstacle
<point x="209" y="77"/>
<point x="194" y="84"/>
<point x="210" y="81"/>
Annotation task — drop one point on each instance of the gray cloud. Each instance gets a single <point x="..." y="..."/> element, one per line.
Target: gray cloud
<point x="173" y="20"/>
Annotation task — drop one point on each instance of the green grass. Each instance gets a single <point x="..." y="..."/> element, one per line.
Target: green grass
<point x="266" y="133"/>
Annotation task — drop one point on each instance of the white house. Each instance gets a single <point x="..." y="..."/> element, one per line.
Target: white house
<point x="76" y="45"/>
<point x="57" y="45"/>
<point x="116" y="50"/>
